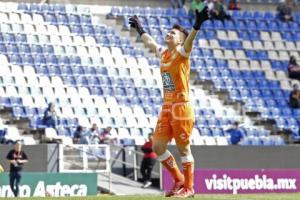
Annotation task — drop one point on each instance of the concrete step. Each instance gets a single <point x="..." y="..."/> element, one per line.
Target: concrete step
<point x="120" y="185"/>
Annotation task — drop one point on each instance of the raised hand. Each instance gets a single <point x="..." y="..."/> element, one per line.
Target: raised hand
<point x="135" y="23"/>
<point x="200" y="17"/>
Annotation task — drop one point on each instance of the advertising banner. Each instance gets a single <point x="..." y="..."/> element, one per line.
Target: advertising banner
<point x="51" y="184"/>
<point x="242" y="181"/>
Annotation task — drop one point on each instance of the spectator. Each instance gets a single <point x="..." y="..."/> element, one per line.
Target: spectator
<point x="148" y="161"/>
<point x="236" y="135"/>
<point x="293" y="68"/>
<point x="284" y="10"/>
<point x="234" y="5"/>
<point x="50" y="117"/>
<point x="81" y="136"/>
<point x="16" y="157"/>
<point x="196" y="5"/>
<point x="217" y="10"/>
<point x="106" y="137"/>
<point x="94" y="134"/>
<point x="295" y="97"/>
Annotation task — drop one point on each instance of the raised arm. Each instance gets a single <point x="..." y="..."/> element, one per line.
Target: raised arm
<point x="146" y="38"/>
<point x="200" y="17"/>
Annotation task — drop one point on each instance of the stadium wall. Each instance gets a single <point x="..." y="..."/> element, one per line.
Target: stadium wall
<point x="44" y="158"/>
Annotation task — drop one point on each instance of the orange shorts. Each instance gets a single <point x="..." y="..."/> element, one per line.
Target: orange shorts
<point x="176" y="121"/>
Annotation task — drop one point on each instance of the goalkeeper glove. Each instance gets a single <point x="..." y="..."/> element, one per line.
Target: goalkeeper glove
<point x="135" y="23"/>
<point x="200" y="17"/>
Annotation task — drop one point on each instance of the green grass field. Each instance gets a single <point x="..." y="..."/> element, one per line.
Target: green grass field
<point x="295" y="196"/>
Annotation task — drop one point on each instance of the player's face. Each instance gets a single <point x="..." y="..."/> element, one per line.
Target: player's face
<point x="18" y="147"/>
<point x="173" y="37"/>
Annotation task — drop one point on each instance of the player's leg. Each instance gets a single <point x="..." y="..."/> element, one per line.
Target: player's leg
<point x="12" y="182"/>
<point x="166" y="158"/>
<point x="150" y="168"/>
<point x="162" y="136"/>
<point x="143" y="170"/>
<point x="18" y="179"/>
<point x="148" y="171"/>
<point x="182" y="125"/>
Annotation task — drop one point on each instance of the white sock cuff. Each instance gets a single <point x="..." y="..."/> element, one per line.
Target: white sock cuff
<point x="188" y="158"/>
<point x="164" y="156"/>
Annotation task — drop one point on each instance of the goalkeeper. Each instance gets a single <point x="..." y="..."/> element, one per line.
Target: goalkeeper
<point x="176" y="119"/>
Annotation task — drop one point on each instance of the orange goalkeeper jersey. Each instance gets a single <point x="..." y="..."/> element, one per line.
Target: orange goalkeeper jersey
<point x="175" y="73"/>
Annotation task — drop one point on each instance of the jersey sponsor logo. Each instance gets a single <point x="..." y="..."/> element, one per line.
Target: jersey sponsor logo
<point x="167" y="81"/>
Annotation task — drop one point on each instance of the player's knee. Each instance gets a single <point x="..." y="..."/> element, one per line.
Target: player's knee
<point x="159" y="148"/>
<point x="184" y="150"/>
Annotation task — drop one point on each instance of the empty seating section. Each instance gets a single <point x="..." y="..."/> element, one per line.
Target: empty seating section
<point x="55" y="53"/>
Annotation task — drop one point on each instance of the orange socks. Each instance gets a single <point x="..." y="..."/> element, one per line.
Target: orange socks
<point x="172" y="167"/>
<point x="170" y="164"/>
<point x="188" y="168"/>
<point x="188" y="172"/>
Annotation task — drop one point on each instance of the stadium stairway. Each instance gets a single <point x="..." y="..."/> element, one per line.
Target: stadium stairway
<point x="124" y="186"/>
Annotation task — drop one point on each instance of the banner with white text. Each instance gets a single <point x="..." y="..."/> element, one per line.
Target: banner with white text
<point x="242" y="181"/>
<point x="51" y="184"/>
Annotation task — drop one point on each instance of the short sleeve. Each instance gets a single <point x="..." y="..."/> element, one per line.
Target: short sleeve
<point x="9" y="155"/>
<point x="25" y="157"/>
<point x="182" y="52"/>
<point x="159" y="50"/>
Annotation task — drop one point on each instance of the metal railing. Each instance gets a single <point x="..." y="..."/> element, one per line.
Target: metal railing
<point x="79" y="157"/>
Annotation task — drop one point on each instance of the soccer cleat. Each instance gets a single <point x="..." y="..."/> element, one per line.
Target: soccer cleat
<point x="177" y="187"/>
<point x="147" y="184"/>
<point x="185" y="193"/>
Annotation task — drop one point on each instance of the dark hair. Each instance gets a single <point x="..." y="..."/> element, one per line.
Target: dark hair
<point x="181" y="29"/>
<point x="79" y="128"/>
<point x="293" y="60"/>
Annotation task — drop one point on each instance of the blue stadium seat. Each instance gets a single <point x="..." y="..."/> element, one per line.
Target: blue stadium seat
<point x="243" y="35"/>
<point x="15" y="59"/>
<point x="251" y="25"/>
<point x="236" y="14"/>
<point x="247" y="15"/>
<point x="28" y="60"/>
<point x="23" y="49"/>
<point x="59" y="8"/>
<point x="255" y="35"/>
<point x="258" y="15"/>
<point x="262" y="26"/>
<point x="236" y="44"/>
<point x="273" y="26"/>
<point x="225" y="44"/>
<point x="8" y="38"/>
<point x="296" y="36"/>
<point x="47" y="8"/>
<point x="39" y="60"/>
<point x="74" y="19"/>
<point x="23" y="7"/>
<point x="269" y="15"/>
<point x="35" y="8"/>
<point x="76" y="29"/>
<point x="240" y="25"/>
<point x="85" y="20"/>
<point x="228" y="24"/>
<point x="210" y="34"/>
<point x="115" y="12"/>
<point x="21" y="38"/>
<point x="50" y="18"/>
<point x="62" y="19"/>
